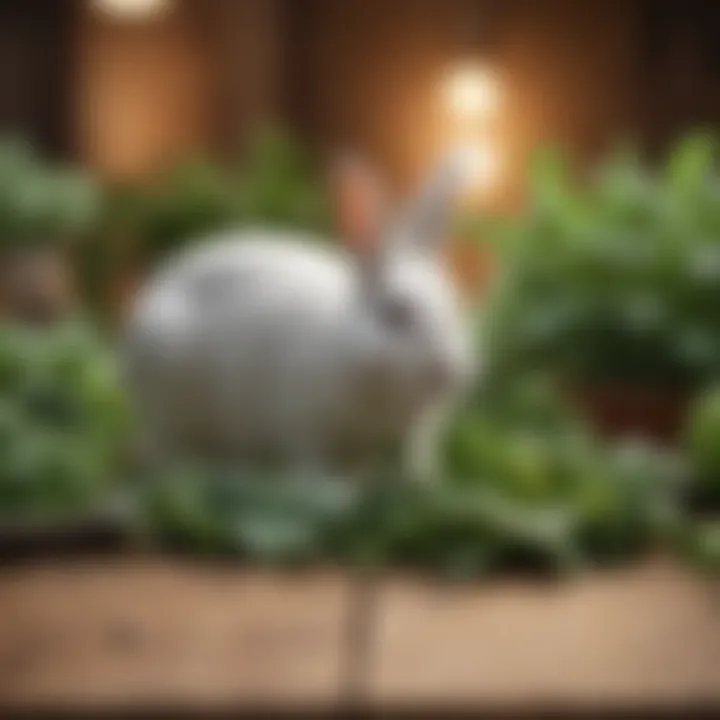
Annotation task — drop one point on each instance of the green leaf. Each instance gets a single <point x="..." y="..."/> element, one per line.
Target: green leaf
<point x="691" y="164"/>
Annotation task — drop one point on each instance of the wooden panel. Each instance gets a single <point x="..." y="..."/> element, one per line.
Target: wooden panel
<point x="36" y="71"/>
<point x="127" y="633"/>
<point x="681" y="69"/>
<point x="244" y="48"/>
<point x="367" y="72"/>
<point x="143" y="93"/>
<point x="119" y="634"/>
<point x="639" y="638"/>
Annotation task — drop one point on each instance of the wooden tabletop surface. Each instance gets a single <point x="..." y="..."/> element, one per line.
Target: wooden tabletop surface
<point x="129" y="632"/>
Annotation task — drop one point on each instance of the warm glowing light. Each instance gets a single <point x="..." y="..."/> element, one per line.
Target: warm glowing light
<point x="484" y="165"/>
<point x="472" y="92"/>
<point x="481" y="164"/>
<point x="131" y="9"/>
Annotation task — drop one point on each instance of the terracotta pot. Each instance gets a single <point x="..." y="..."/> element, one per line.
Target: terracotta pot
<point x="471" y="266"/>
<point x="616" y="411"/>
<point x="36" y="284"/>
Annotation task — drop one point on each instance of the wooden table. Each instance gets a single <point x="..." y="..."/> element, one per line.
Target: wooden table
<point x="132" y="632"/>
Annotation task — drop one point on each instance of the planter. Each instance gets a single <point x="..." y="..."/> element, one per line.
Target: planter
<point x="471" y="266"/>
<point x="91" y="533"/>
<point x="102" y="526"/>
<point x="620" y="411"/>
<point x="36" y="284"/>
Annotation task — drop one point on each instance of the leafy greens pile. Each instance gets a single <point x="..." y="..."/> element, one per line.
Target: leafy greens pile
<point x="62" y="418"/>
<point x="616" y="280"/>
<point x="517" y="493"/>
<point x="41" y="202"/>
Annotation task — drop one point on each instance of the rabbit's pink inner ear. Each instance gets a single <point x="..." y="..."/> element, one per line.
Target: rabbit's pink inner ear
<point x="358" y="206"/>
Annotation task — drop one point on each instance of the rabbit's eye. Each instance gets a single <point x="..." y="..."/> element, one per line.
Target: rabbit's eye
<point x="397" y="314"/>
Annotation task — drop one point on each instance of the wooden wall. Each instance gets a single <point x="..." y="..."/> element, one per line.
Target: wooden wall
<point x="245" y="46"/>
<point x="358" y="72"/>
<point x="367" y="72"/>
<point x="196" y="78"/>
<point x="681" y="67"/>
<point x="143" y="91"/>
<point x="37" y="71"/>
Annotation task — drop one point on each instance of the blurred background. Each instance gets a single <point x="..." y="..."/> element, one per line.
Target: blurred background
<point x="127" y="86"/>
<point x="568" y="556"/>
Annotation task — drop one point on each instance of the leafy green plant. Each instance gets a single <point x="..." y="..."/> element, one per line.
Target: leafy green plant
<point x="526" y="446"/>
<point x="616" y="280"/>
<point x="525" y="485"/>
<point x="61" y="420"/>
<point x="280" y="183"/>
<point x="192" y="197"/>
<point x="41" y="202"/>
<point x="699" y="545"/>
<point x="274" y="182"/>
<point x="703" y="444"/>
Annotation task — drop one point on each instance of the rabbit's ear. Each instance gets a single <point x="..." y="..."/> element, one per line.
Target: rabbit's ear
<point x="359" y="204"/>
<point x="427" y="221"/>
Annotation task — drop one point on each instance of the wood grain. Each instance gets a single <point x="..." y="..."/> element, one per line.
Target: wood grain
<point x="128" y="633"/>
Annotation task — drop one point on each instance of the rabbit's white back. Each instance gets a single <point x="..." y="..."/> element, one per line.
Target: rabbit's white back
<point x="229" y="342"/>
